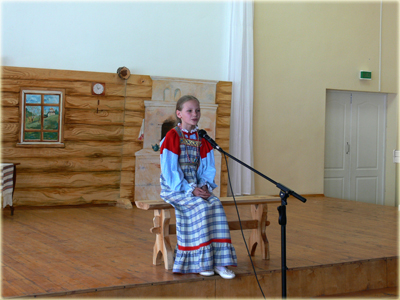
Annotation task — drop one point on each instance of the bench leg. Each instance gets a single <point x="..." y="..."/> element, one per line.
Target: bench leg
<point x="162" y="247"/>
<point x="258" y="236"/>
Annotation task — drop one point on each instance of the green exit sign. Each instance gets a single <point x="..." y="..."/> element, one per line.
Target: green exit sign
<point x="366" y="75"/>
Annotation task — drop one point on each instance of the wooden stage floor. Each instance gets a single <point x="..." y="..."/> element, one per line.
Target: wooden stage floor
<point x="333" y="246"/>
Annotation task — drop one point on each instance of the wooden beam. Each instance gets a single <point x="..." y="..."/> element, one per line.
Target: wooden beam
<point x="72" y="164"/>
<point x="72" y="149"/>
<point x="69" y="75"/>
<point x="66" y="196"/>
<point x="233" y="225"/>
<point x="83" y="132"/>
<point x="56" y="180"/>
<point x="226" y="201"/>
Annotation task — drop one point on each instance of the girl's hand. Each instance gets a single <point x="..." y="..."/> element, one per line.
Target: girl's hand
<point x="204" y="188"/>
<point x="200" y="192"/>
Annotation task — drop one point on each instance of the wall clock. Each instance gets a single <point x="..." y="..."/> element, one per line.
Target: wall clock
<point x="98" y="88"/>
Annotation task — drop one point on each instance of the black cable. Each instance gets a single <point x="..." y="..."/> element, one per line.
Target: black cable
<point x="241" y="229"/>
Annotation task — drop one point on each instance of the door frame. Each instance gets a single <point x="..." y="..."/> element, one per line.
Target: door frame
<point x="384" y="141"/>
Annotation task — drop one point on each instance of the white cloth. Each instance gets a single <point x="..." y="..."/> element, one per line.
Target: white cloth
<point x="141" y="132"/>
<point x="241" y="66"/>
<point x="7" y="180"/>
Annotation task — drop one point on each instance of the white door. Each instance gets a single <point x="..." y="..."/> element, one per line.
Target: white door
<point x="354" y="146"/>
<point x="337" y="137"/>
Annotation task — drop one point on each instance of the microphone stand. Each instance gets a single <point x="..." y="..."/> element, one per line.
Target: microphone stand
<point x="284" y="194"/>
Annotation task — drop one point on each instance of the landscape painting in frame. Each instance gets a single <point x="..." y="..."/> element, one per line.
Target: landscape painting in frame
<point x="42" y="118"/>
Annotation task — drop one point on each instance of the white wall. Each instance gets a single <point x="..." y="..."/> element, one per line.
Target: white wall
<point x="301" y="50"/>
<point x="178" y="39"/>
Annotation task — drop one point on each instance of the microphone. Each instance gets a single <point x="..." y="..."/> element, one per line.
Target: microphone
<point x="203" y="134"/>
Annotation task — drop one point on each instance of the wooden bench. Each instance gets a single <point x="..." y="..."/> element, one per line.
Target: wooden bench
<point x="163" y="229"/>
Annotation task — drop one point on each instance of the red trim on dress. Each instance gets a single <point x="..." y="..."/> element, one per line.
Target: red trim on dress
<point x="171" y="142"/>
<point x="205" y="148"/>
<point x="204" y="244"/>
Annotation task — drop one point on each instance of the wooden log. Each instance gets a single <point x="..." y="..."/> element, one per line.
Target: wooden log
<point x="133" y="118"/>
<point x="123" y="73"/>
<point x="80" y="132"/>
<point x="77" y="88"/>
<point x="135" y="104"/>
<point x="72" y="149"/>
<point x="223" y="165"/>
<point x="66" y="180"/>
<point x="105" y="103"/>
<point x="10" y="99"/>
<point x="128" y="178"/>
<point x="223" y="121"/>
<point x="127" y="191"/>
<point x="131" y="147"/>
<point x="224" y="110"/>
<point x="139" y="91"/>
<point x="65" y="196"/>
<point x="9" y="132"/>
<point x="223" y="102"/>
<point x="128" y="163"/>
<point x="117" y="89"/>
<point x="223" y="190"/>
<point x="144" y="80"/>
<point x="68" y="75"/>
<point x="224" y="144"/>
<point x="10" y="114"/>
<point x="131" y="133"/>
<point x="223" y="99"/>
<point x="222" y="133"/>
<point x="71" y="164"/>
<point x="94" y="102"/>
<point x="224" y="87"/>
<point x="94" y="117"/>
<point x="224" y="178"/>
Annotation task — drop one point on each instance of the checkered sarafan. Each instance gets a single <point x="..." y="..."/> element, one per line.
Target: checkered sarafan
<point x="203" y="237"/>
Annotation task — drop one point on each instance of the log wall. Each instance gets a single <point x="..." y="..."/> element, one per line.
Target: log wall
<point x="97" y="164"/>
<point x="223" y="99"/>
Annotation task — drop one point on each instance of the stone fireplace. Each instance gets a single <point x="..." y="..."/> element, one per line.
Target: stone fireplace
<point x="159" y="116"/>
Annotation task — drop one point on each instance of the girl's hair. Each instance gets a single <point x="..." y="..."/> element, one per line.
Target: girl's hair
<point x="181" y="101"/>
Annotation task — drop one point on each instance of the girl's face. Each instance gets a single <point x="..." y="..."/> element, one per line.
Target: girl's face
<point x="190" y="114"/>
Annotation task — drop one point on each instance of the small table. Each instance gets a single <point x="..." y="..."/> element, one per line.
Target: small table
<point x="8" y="179"/>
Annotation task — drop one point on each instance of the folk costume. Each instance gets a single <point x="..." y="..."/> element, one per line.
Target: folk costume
<point x="203" y="237"/>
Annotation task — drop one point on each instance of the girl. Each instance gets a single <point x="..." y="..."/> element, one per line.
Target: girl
<point x="187" y="180"/>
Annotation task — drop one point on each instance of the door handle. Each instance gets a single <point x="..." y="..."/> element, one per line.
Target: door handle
<point x="347" y="148"/>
